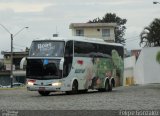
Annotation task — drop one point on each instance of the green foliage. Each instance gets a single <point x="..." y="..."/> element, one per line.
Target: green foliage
<point x="117" y="60"/>
<point x="150" y="36"/>
<point x="113" y="18"/>
<point x="158" y="57"/>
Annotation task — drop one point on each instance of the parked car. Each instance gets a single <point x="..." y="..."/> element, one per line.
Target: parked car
<point x="7" y="86"/>
<point x="18" y="85"/>
<point x="13" y="85"/>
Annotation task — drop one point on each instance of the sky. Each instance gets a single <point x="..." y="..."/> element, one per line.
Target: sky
<point x="46" y="17"/>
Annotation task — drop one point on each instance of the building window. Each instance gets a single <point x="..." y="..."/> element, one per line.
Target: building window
<point x="79" y="32"/>
<point x="105" y="32"/>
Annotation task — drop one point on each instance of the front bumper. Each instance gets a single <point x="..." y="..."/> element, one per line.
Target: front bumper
<point x="43" y="88"/>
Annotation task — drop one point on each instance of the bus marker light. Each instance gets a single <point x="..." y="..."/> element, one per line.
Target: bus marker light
<point x="80" y="62"/>
<point x="31" y="82"/>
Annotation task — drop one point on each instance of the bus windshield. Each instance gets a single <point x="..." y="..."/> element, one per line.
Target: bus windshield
<point x="47" y="49"/>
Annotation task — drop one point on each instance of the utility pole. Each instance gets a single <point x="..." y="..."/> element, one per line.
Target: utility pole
<point x="12" y="36"/>
<point x="11" y="75"/>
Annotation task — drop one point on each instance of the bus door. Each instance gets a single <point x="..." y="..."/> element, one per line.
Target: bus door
<point x="68" y="58"/>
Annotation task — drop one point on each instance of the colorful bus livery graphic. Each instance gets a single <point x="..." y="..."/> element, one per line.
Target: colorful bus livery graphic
<point x="96" y="74"/>
<point x="75" y="64"/>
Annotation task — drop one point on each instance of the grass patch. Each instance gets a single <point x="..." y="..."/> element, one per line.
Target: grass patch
<point x="15" y="88"/>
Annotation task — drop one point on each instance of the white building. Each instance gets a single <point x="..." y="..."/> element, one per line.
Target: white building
<point x="103" y="31"/>
<point x="147" y="69"/>
<point x="129" y="67"/>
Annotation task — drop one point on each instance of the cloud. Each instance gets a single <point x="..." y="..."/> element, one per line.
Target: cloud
<point x="24" y="7"/>
<point x="26" y="1"/>
<point x="43" y="16"/>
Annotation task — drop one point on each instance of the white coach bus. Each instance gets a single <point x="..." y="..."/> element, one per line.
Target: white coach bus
<point x="73" y="64"/>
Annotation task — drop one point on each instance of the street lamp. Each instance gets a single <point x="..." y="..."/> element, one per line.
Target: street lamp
<point x="12" y="36"/>
<point x="155" y="2"/>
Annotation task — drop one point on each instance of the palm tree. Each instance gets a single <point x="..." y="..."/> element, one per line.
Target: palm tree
<point x="151" y="34"/>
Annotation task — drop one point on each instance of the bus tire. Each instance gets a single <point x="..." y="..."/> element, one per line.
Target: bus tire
<point x="113" y="82"/>
<point x="74" y="88"/>
<point x="107" y="85"/>
<point x="44" y="93"/>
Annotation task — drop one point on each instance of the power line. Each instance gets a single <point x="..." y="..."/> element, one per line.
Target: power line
<point x="18" y="49"/>
<point x="19" y="45"/>
<point x="132" y="38"/>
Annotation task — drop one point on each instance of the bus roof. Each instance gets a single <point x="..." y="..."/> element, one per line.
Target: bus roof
<point x="82" y="39"/>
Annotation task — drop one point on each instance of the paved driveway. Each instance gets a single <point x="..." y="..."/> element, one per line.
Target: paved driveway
<point x="121" y="98"/>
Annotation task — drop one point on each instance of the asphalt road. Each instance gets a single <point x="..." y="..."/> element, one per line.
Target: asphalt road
<point x="144" y="97"/>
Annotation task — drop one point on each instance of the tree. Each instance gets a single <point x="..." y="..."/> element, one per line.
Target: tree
<point x="113" y="18"/>
<point x="150" y="36"/>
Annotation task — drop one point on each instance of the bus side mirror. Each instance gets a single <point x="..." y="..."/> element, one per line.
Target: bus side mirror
<point x="61" y="64"/>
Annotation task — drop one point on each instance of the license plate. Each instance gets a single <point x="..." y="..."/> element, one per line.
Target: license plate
<point x="42" y="88"/>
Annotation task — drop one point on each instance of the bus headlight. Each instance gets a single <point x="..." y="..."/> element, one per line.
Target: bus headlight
<point x="57" y="84"/>
<point x="31" y="82"/>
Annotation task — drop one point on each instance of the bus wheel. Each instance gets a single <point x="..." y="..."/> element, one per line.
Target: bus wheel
<point x="110" y="88"/>
<point x="74" y="88"/>
<point x="44" y="93"/>
<point x="107" y="86"/>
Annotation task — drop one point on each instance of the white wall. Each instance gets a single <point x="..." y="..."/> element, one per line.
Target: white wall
<point x="151" y="66"/>
<point x="138" y="70"/>
<point x="147" y="69"/>
<point x="129" y="64"/>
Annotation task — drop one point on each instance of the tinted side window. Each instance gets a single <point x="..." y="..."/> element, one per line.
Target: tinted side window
<point x="104" y="50"/>
<point x="84" y="49"/>
<point x="68" y="58"/>
<point x="120" y="50"/>
<point x="69" y="49"/>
